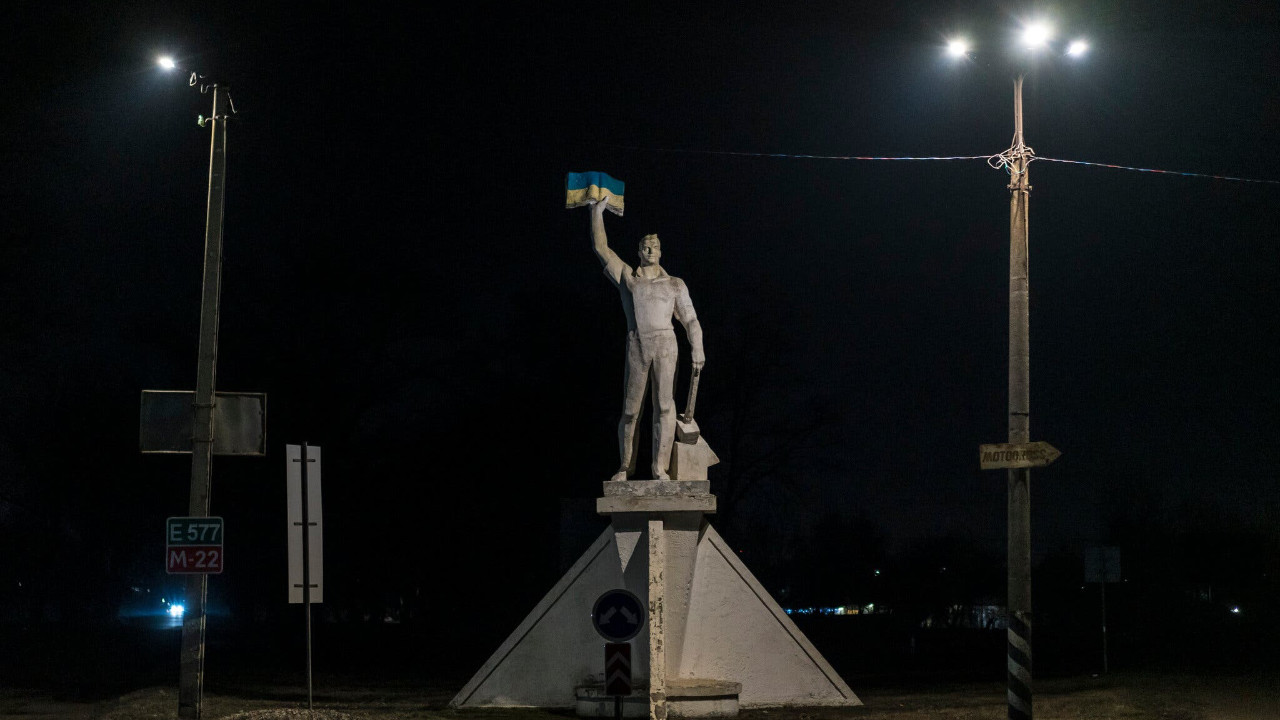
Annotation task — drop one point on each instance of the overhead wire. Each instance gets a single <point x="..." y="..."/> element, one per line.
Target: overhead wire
<point x="999" y="161"/>
<point x="795" y="156"/>
<point x="1162" y="172"/>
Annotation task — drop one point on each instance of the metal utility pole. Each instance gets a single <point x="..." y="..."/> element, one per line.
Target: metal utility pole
<point x="306" y="540"/>
<point x="1102" y="588"/>
<point x="1019" y="591"/>
<point x="306" y="566"/>
<point x="191" y="662"/>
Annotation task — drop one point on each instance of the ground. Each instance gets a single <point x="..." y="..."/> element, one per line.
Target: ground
<point x="1117" y="697"/>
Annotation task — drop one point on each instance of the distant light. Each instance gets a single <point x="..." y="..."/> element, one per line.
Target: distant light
<point x="166" y="62"/>
<point x="176" y="611"/>
<point x="1036" y="35"/>
<point x="1077" y="48"/>
<point x="1235" y="610"/>
<point x="877" y="572"/>
<point x="958" y="48"/>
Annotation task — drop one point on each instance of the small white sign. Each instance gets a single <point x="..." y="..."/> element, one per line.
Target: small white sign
<point x="315" y="537"/>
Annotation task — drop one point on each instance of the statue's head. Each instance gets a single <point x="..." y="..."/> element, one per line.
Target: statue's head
<point x="650" y="250"/>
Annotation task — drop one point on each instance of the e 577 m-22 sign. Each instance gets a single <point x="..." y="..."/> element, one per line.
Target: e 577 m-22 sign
<point x="193" y="545"/>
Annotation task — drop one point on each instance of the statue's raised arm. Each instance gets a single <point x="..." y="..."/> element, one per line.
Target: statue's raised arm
<point x="613" y="265"/>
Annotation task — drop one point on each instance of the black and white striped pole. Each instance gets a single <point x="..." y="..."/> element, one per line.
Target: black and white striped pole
<point x="1019" y="591"/>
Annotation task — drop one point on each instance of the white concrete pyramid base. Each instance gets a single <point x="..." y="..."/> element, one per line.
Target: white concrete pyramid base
<point x="710" y="620"/>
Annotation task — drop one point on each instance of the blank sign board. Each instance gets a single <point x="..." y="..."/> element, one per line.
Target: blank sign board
<point x="1102" y="564"/>
<point x="239" y="422"/>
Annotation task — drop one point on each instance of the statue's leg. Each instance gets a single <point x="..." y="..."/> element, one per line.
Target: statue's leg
<point x="635" y="442"/>
<point x="633" y="382"/>
<point x="664" y="404"/>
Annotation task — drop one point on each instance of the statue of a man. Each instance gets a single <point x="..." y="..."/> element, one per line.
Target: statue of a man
<point x="649" y="298"/>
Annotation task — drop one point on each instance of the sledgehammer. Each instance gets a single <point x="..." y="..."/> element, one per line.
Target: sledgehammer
<point x="686" y="429"/>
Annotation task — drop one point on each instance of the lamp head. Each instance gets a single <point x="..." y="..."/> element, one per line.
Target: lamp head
<point x="1036" y="35"/>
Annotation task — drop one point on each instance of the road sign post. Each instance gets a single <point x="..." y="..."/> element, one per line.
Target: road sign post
<point x="1102" y="565"/>
<point x="1017" y="457"/>
<point x="306" y="569"/>
<point x="199" y="411"/>
<point x="617" y="674"/>
<point x="618" y="615"/>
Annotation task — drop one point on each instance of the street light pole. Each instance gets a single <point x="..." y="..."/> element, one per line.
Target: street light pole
<point x="191" y="660"/>
<point x="1019" y="590"/>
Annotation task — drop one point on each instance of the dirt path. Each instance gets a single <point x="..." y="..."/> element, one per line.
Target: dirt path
<point x="1130" y="697"/>
<point x="1249" y="697"/>
<point x="17" y="705"/>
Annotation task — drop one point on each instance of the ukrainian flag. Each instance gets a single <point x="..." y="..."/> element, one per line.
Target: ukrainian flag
<point x="588" y="187"/>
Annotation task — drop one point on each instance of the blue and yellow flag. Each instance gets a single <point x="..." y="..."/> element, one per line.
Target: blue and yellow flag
<point x="587" y="187"/>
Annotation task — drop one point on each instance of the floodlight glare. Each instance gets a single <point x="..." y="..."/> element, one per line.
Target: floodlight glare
<point x="166" y="62"/>
<point x="1036" y="35"/>
<point x="1077" y="48"/>
<point x="957" y="48"/>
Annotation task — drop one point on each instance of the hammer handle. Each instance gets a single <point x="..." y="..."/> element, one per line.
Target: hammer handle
<point x="693" y="396"/>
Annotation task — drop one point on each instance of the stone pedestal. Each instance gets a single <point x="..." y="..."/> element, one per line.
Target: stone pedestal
<point x="715" y="639"/>
<point x="670" y="515"/>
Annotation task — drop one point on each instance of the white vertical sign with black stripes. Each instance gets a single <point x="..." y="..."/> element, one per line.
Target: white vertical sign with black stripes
<point x="314" y="519"/>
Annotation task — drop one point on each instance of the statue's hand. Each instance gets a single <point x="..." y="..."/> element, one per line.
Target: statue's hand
<point x="598" y="206"/>
<point x="699" y="359"/>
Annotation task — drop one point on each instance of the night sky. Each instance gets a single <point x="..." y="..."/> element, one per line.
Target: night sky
<point x="402" y="279"/>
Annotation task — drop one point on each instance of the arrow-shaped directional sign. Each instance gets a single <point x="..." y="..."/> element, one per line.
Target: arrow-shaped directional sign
<point x="1016" y="455"/>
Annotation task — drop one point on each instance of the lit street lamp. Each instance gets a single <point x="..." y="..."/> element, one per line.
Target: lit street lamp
<point x="1035" y="38"/>
<point x="193" y="610"/>
<point x="958" y="48"/>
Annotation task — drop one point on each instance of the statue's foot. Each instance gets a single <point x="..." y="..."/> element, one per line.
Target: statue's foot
<point x="660" y="476"/>
<point x="620" y="475"/>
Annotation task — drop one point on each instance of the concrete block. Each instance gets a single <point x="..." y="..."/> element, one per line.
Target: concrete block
<point x="687" y="431"/>
<point x="690" y="462"/>
<point x="656" y="504"/>
<point x="592" y="702"/>
<point x="655" y="488"/>
<point x="697" y="697"/>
